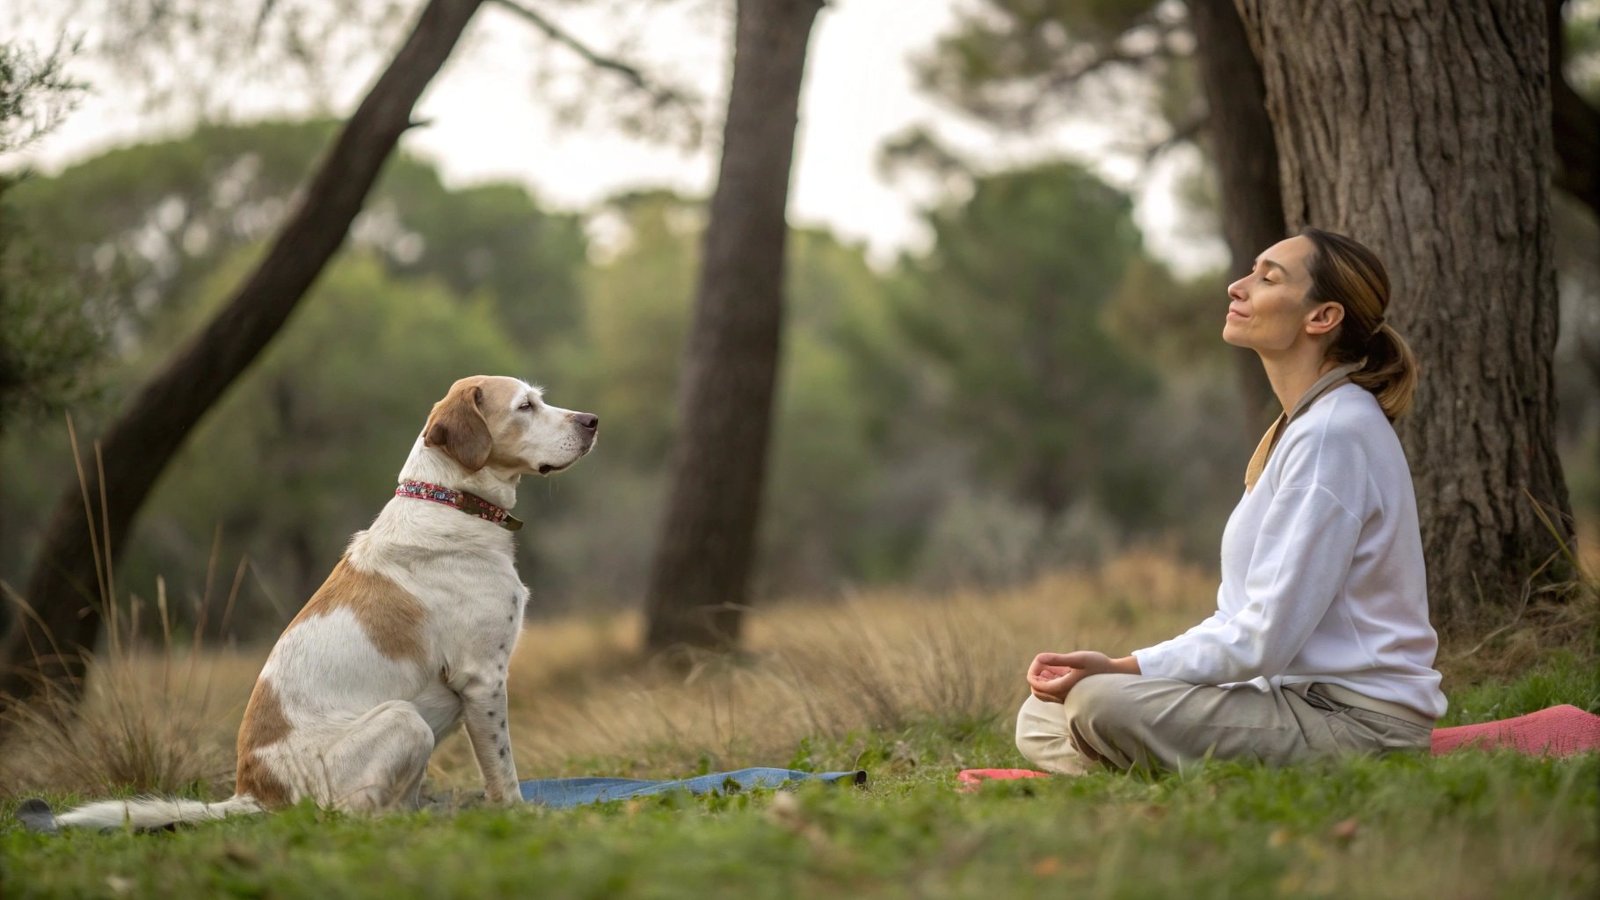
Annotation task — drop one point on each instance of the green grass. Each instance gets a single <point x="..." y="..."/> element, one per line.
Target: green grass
<point x="1561" y="677"/>
<point x="1462" y="826"/>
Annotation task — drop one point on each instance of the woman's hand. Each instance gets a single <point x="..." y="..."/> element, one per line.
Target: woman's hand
<point x="1051" y="676"/>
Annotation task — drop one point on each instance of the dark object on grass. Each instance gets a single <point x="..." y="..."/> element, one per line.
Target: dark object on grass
<point x="35" y="815"/>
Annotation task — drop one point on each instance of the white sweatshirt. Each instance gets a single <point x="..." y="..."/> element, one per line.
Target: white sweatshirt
<point x="1322" y="571"/>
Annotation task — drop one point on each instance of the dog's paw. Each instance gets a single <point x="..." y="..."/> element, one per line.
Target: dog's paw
<point x="35" y="815"/>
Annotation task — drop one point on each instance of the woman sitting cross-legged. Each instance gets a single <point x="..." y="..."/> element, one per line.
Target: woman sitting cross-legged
<point x="1320" y="643"/>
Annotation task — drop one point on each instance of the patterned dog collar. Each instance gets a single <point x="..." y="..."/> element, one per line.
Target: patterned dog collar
<point x="471" y="504"/>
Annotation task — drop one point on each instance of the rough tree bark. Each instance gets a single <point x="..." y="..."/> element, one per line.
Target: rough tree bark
<point x="1424" y="131"/>
<point x="1245" y="154"/>
<point x="65" y="585"/>
<point x="701" y="572"/>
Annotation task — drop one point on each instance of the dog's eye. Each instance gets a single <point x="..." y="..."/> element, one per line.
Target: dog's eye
<point x="527" y="405"/>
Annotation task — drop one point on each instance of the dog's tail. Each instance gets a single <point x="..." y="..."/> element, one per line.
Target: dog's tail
<point x="141" y="813"/>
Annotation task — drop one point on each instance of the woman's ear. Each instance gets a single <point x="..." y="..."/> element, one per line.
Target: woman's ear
<point x="1324" y="317"/>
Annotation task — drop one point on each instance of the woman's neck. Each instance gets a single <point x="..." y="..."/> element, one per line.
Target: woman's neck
<point x="1294" y="371"/>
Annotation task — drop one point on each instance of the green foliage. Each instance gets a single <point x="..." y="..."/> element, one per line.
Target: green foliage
<point x="625" y="367"/>
<point x="1127" y="63"/>
<point x="1008" y="309"/>
<point x="1013" y="60"/>
<point x="139" y="227"/>
<point x="635" y="320"/>
<point x="1169" y="324"/>
<point x="821" y="518"/>
<point x="35" y="93"/>
<point x="487" y="238"/>
<point x="48" y="338"/>
<point x="142" y="226"/>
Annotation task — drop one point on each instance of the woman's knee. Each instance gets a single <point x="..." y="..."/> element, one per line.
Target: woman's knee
<point x="1100" y="716"/>
<point x="1042" y="737"/>
<point x="1039" y="722"/>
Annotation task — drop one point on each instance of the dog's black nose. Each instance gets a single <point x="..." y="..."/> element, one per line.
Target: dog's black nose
<point x="588" y="420"/>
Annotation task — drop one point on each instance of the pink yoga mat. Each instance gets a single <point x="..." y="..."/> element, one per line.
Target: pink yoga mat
<point x="1557" y="731"/>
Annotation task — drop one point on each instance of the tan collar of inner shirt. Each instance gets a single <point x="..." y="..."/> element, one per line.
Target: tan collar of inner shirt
<point x="1258" y="460"/>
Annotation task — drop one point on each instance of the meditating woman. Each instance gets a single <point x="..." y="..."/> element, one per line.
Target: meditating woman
<point x="1320" y="643"/>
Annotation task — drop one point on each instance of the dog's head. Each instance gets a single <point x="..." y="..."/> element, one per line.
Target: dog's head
<point x="504" y="424"/>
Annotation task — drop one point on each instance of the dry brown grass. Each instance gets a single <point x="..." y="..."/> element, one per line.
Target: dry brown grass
<point x="1563" y="616"/>
<point x="585" y="701"/>
<point x="582" y="696"/>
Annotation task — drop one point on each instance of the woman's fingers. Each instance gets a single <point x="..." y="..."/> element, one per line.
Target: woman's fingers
<point x="1054" y="659"/>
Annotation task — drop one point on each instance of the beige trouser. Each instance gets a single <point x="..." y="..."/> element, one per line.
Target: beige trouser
<point x="1129" y="721"/>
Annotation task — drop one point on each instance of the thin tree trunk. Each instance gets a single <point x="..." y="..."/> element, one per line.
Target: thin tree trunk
<point x="1245" y="153"/>
<point x="1425" y="133"/>
<point x="700" y="578"/>
<point x="69" y="575"/>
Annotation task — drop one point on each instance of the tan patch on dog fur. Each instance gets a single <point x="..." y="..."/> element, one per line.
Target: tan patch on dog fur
<point x="257" y="780"/>
<point x="264" y="725"/>
<point x="457" y="424"/>
<point x="389" y="615"/>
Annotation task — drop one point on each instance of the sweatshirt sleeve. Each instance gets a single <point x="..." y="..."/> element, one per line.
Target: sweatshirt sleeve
<point x="1299" y="564"/>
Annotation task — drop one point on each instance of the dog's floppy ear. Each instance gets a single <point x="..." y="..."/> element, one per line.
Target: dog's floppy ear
<point x="458" y="427"/>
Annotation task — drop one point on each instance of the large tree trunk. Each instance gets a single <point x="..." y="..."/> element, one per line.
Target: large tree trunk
<point x="700" y="577"/>
<point x="1425" y="133"/>
<point x="84" y="536"/>
<point x="1245" y="153"/>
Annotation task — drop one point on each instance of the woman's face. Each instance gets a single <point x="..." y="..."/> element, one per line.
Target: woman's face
<point x="1267" y="309"/>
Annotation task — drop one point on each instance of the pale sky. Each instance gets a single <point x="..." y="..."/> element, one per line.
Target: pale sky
<point x="488" y="120"/>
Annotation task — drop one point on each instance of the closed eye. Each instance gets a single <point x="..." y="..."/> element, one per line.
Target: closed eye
<point x="528" y="406"/>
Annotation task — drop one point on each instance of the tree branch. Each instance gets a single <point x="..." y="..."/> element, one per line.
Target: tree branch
<point x="1182" y="132"/>
<point x="1111" y="56"/>
<point x="661" y="95"/>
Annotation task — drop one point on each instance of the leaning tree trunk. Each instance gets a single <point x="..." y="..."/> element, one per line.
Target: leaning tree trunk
<point x="1424" y="131"/>
<point x="1245" y="153"/>
<point x="71" y="572"/>
<point x="700" y="577"/>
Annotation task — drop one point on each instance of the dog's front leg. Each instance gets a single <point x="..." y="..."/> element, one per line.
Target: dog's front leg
<point x="484" y="709"/>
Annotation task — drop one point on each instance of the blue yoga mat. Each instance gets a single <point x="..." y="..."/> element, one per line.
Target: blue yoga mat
<point x="560" y="793"/>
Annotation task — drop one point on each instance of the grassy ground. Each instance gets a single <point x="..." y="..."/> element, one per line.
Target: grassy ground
<point x="911" y="689"/>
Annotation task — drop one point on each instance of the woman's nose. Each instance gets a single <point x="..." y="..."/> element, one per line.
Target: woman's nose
<point x="1236" y="290"/>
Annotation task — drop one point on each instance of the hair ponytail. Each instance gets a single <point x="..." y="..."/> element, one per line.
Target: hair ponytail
<point x="1345" y="272"/>
<point x="1390" y="371"/>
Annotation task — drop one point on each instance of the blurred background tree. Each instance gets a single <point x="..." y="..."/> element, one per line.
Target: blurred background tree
<point x="1008" y="312"/>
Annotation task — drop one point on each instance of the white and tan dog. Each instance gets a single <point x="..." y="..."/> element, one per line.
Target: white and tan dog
<point x="410" y="636"/>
